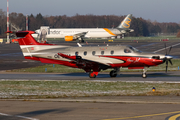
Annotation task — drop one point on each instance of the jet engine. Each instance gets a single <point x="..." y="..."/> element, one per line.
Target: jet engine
<point x="69" y="38"/>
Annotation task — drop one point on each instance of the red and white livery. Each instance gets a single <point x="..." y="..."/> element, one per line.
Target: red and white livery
<point x="91" y="59"/>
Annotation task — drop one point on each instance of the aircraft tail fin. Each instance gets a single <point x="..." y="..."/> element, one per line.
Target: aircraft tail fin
<point x="125" y="24"/>
<point x="25" y="37"/>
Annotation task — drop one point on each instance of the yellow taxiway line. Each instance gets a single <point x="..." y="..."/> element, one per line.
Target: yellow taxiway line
<point x="171" y="118"/>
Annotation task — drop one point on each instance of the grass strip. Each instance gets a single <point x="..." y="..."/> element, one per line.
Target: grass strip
<point x="70" y="88"/>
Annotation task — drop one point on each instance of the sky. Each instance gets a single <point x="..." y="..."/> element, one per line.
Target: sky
<point x="154" y="10"/>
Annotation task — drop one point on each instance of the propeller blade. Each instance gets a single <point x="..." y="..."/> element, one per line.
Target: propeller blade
<point x="170" y="61"/>
<point x="166" y="68"/>
<point x="167" y="59"/>
<point x="166" y="65"/>
<point x="170" y="49"/>
<point x="165" y="48"/>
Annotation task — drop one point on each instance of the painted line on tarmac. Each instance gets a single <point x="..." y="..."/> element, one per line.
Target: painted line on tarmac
<point x="19" y="116"/>
<point x="145" y="116"/>
<point x="174" y="117"/>
<point x="166" y="48"/>
<point x="26" y="117"/>
<point x="3" y="114"/>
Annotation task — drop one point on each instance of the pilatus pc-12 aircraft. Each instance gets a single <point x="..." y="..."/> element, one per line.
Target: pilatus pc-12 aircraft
<point x="92" y="59"/>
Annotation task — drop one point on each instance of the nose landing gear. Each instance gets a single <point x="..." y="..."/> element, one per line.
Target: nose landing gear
<point x="144" y="75"/>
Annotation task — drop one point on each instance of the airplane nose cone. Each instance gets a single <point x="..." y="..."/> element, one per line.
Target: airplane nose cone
<point x="165" y="57"/>
<point x="168" y="57"/>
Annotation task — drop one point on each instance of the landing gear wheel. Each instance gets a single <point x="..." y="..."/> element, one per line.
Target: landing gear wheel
<point x="113" y="73"/>
<point x="81" y="40"/>
<point x="92" y="75"/>
<point x="144" y="75"/>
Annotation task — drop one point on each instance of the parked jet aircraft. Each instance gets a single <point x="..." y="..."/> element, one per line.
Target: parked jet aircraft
<point x="91" y="59"/>
<point x="70" y="34"/>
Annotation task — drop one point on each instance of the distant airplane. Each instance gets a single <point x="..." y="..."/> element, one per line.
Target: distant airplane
<point x="71" y="34"/>
<point x="92" y="59"/>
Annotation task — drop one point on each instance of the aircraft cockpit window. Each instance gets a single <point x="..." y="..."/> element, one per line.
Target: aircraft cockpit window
<point x="112" y="52"/>
<point x="76" y="53"/>
<point x="102" y="52"/>
<point x="134" y="49"/>
<point x="93" y="52"/>
<point x="85" y="53"/>
<point x="127" y="51"/>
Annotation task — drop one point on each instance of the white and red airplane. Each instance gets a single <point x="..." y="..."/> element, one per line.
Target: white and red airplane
<point x="91" y="59"/>
<point x="71" y="34"/>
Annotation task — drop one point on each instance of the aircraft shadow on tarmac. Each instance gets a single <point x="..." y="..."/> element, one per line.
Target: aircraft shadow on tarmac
<point x="34" y="114"/>
<point x="39" y="112"/>
<point x="121" y="75"/>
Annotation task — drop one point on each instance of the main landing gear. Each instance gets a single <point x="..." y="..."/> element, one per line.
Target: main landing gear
<point x="114" y="72"/>
<point x="81" y="40"/>
<point x="92" y="74"/>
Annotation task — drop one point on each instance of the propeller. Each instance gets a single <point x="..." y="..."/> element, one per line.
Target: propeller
<point x="167" y="59"/>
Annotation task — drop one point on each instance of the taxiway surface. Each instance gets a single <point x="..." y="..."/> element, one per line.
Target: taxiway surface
<point x="33" y="110"/>
<point x="173" y="76"/>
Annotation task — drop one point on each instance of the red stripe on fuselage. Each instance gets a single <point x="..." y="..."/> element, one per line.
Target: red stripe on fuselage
<point x="135" y="61"/>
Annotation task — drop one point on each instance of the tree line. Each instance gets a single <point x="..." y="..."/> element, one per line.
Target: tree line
<point x="141" y="26"/>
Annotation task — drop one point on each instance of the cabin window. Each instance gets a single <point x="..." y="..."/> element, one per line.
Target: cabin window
<point x="102" y="52"/>
<point x="85" y="53"/>
<point x="76" y="53"/>
<point x="112" y="52"/>
<point x="127" y="51"/>
<point x="93" y="52"/>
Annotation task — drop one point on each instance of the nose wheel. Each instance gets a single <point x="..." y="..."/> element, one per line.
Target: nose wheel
<point x="144" y="75"/>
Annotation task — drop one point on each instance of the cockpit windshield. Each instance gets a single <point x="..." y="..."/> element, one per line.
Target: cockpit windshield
<point x="134" y="49"/>
<point x="127" y="51"/>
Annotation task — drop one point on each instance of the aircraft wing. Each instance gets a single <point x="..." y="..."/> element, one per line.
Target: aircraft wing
<point x="82" y="34"/>
<point x="69" y="57"/>
<point x="75" y="36"/>
<point x="96" y="59"/>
